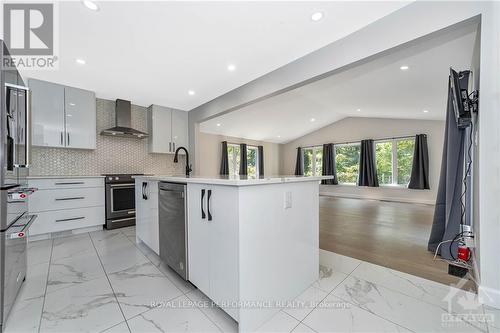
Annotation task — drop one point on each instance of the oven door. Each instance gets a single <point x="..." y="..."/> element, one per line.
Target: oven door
<point x="120" y="200"/>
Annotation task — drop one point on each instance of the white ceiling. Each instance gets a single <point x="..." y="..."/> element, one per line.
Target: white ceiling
<point x="378" y="88"/>
<point x="154" y="52"/>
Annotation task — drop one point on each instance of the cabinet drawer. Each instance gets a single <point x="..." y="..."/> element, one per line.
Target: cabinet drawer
<point x="69" y="219"/>
<point x="58" y="183"/>
<point x="68" y="198"/>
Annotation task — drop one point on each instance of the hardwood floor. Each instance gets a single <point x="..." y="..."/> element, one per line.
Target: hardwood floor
<point x="389" y="234"/>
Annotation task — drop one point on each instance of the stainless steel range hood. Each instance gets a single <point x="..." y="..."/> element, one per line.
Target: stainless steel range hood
<point x="123" y="123"/>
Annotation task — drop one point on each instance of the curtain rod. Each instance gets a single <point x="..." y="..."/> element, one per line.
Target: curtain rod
<point x="351" y="142"/>
<point x="237" y="144"/>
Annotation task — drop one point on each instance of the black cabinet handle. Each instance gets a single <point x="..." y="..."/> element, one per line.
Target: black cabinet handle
<point x="144" y="195"/>
<point x="202" y="196"/>
<point x="208" y="205"/>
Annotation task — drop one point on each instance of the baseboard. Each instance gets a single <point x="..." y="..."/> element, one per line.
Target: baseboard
<point x="364" y="196"/>
<point x="489" y="296"/>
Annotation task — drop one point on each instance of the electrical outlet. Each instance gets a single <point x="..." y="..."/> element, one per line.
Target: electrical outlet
<point x="288" y="200"/>
<point x="465" y="228"/>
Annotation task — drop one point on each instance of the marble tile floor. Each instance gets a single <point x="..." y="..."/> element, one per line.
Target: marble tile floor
<point x="106" y="282"/>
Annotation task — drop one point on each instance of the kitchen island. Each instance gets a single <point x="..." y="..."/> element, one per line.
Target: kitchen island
<point x="252" y="243"/>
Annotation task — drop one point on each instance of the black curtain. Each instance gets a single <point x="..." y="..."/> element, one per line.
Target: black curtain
<point x="243" y="160"/>
<point x="367" y="167"/>
<point x="328" y="165"/>
<point x="261" y="160"/>
<point x="224" y="163"/>
<point x="299" y="164"/>
<point x="419" y="179"/>
<point x="447" y="212"/>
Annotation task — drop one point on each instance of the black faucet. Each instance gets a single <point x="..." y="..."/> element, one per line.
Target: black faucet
<point x="176" y="160"/>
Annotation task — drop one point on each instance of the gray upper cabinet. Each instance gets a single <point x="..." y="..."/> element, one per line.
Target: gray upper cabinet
<point x="167" y="128"/>
<point x="47" y="112"/>
<point x="62" y="116"/>
<point x="80" y="112"/>
<point x="179" y="129"/>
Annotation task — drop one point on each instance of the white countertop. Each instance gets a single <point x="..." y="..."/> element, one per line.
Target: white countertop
<point x="234" y="180"/>
<point x="65" y="177"/>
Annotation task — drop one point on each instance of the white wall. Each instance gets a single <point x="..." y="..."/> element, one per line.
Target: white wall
<point x="209" y="154"/>
<point x="356" y="129"/>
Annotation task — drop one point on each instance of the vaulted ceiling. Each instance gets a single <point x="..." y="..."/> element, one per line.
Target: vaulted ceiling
<point x="382" y="88"/>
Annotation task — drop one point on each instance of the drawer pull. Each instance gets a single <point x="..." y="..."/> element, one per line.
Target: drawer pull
<point x="72" y="198"/>
<point x="71" y="219"/>
<point x="70" y="183"/>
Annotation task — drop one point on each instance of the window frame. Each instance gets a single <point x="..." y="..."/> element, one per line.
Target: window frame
<point x="235" y="156"/>
<point x="313" y="161"/>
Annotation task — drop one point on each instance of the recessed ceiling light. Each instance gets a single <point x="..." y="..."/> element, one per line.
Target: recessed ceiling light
<point x="231" y="67"/>
<point x="312" y="120"/>
<point x="80" y="61"/>
<point x="218" y="125"/>
<point x="425" y="111"/>
<point x="359" y="110"/>
<point x="191" y="92"/>
<point x="278" y="136"/>
<point x="404" y="68"/>
<point x="317" y="16"/>
<point x="91" y="5"/>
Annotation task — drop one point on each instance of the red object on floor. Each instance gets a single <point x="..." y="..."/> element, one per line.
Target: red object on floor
<point x="463" y="253"/>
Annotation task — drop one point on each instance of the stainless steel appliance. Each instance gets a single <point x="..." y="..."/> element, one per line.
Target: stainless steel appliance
<point x="120" y="200"/>
<point x="172" y="204"/>
<point x="123" y="128"/>
<point x="14" y="160"/>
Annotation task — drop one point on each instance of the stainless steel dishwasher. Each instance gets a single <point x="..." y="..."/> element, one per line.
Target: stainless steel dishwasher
<point x="173" y="226"/>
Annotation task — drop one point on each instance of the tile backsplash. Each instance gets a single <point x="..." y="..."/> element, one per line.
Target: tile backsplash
<point x="112" y="154"/>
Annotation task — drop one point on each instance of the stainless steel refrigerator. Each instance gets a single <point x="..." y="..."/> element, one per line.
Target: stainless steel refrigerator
<point x="14" y="192"/>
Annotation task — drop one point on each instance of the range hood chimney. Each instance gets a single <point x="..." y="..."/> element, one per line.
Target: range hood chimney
<point x="123" y="124"/>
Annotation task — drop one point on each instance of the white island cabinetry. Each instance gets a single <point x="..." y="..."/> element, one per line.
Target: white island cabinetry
<point x="146" y="212"/>
<point x="213" y="241"/>
<point x="253" y="244"/>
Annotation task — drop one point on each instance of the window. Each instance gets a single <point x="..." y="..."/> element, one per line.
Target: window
<point x="347" y="161"/>
<point x="252" y="163"/>
<point x="383" y="158"/>
<point x="313" y="161"/>
<point x="233" y="152"/>
<point x="405" y="149"/>
<point x="394" y="160"/>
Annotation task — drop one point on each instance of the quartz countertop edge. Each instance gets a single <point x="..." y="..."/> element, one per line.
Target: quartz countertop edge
<point x="65" y="176"/>
<point x="234" y="181"/>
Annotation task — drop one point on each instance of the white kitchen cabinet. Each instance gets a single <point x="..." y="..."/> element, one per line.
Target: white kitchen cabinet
<point x="47" y="110"/>
<point x="167" y="128"/>
<point x="146" y="214"/>
<point x="213" y="242"/>
<point x="80" y="113"/>
<point x="63" y="117"/>
<point x="66" y="204"/>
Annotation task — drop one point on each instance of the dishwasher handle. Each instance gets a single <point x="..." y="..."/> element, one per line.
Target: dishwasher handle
<point x="202" y="197"/>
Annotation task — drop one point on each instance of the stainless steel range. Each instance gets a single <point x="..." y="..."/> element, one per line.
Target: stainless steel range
<point x="120" y="200"/>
